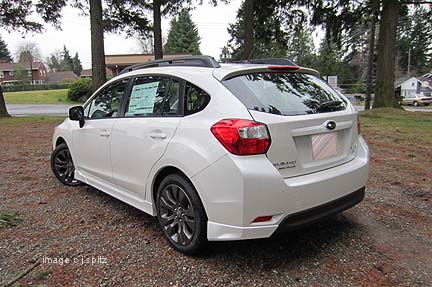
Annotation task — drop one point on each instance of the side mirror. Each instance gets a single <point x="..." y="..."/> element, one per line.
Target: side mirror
<point x="77" y="114"/>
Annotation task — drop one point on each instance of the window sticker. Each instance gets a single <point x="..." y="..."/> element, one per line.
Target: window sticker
<point x="142" y="99"/>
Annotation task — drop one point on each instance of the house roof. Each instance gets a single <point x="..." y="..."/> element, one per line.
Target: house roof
<point x="63" y="76"/>
<point x="400" y="81"/>
<point x="6" y="67"/>
<point x="427" y="79"/>
<point x="422" y="79"/>
<point x="88" y="73"/>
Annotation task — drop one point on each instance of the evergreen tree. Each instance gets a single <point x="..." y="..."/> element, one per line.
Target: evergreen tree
<point x="183" y="36"/>
<point x="5" y="55"/>
<point x="54" y="61"/>
<point x="66" y="62"/>
<point x="415" y="41"/>
<point x="270" y="39"/>
<point x="76" y="65"/>
<point x="301" y="48"/>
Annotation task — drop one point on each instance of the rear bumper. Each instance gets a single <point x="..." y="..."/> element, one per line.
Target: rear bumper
<point x="306" y="217"/>
<point x="236" y="190"/>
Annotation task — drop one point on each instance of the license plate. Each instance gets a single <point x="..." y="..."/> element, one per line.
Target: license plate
<point x="324" y="146"/>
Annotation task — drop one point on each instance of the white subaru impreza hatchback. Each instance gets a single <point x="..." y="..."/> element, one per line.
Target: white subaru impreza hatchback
<point x="217" y="151"/>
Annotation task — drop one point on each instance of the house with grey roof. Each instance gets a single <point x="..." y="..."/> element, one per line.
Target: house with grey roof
<point x="410" y="86"/>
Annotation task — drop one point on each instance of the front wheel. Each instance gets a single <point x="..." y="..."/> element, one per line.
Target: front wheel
<point x="63" y="166"/>
<point x="416" y="104"/>
<point x="181" y="214"/>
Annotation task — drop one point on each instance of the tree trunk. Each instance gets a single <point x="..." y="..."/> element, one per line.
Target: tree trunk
<point x="384" y="89"/>
<point x="248" y="30"/>
<point x="157" y="29"/>
<point x="369" y="83"/>
<point x="97" y="44"/>
<point x="3" y="110"/>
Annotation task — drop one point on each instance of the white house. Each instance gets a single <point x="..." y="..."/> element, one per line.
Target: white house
<point x="414" y="85"/>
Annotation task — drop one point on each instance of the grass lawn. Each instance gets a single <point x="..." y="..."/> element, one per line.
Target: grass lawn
<point x="398" y="126"/>
<point x="400" y="144"/>
<point x="54" y="97"/>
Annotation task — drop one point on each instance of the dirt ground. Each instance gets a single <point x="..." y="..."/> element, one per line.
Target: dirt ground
<point x="384" y="241"/>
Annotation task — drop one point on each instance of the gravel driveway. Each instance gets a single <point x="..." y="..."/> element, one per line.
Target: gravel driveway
<point x="384" y="241"/>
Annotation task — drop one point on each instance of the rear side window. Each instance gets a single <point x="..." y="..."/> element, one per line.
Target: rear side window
<point x="195" y="99"/>
<point x="154" y="96"/>
<point x="285" y="93"/>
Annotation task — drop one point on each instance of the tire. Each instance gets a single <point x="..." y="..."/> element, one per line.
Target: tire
<point x="62" y="165"/>
<point x="427" y="104"/>
<point x="181" y="215"/>
<point x="415" y="104"/>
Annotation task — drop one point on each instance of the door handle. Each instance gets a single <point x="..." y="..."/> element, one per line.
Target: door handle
<point x="156" y="135"/>
<point x="105" y="133"/>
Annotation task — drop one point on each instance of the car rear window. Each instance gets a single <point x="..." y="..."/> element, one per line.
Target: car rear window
<point x="285" y="93"/>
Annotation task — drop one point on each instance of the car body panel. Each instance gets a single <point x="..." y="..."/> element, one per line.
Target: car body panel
<point x="136" y="145"/>
<point x="91" y="147"/>
<point x="252" y="187"/>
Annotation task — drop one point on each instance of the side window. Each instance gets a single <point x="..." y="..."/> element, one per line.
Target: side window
<point x="154" y="96"/>
<point x="171" y="104"/>
<point x="106" y="104"/>
<point x="87" y="110"/>
<point x="195" y="99"/>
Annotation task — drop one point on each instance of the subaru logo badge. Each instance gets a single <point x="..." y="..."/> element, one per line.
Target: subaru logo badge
<point x="331" y="125"/>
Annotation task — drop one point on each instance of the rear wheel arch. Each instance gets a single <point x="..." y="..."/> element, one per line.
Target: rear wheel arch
<point x="161" y="174"/>
<point x="165" y="171"/>
<point x="59" y="141"/>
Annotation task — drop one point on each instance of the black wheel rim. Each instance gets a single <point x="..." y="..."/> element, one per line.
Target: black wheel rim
<point x="177" y="215"/>
<point x="64" y="166"/>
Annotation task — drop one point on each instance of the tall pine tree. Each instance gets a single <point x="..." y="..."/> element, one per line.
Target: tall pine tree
<point x="415" y="41"/>
<point x="5" y="55"/>
<point x="269" y="37"/>
<point x="76" y="65"/>
<point x="301" y="48"/>
<point x="67" y="62"/>
<point x="183" y="36"/>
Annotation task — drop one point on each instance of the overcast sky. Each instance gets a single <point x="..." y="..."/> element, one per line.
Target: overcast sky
<point x="212" y="25"/>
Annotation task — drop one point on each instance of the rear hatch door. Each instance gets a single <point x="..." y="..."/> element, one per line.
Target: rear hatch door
<point x="311" y="126"/>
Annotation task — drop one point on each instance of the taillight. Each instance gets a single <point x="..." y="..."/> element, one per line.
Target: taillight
<point x="358" y="123"/>
<point x="242" y="137"/>
<point x="263" y="218"/>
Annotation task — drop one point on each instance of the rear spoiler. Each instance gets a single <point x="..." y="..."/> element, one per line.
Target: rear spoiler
<point x="271" y="68"/>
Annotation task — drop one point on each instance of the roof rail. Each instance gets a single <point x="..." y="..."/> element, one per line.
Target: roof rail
<point x="194" y="61"/>
<point x="269" y="61"/>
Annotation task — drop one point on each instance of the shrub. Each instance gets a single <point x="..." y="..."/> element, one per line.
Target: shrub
<point x="80" y="90"/>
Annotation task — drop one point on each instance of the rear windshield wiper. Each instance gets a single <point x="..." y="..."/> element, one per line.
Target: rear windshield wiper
<point x="329" y="106"/>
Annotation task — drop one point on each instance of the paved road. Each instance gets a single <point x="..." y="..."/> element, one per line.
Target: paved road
<point x="38" y="110"/>
<point x="407" y="108"/>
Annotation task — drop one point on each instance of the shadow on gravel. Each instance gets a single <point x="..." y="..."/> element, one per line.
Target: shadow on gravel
<point x="286" y="248"/>
<point x="300" y="245"/>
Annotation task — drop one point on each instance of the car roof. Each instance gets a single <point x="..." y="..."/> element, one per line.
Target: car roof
<point x="225" y="71"/>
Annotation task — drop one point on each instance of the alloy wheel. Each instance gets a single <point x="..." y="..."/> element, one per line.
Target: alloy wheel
<point x="177" y="215"/>
<point x="64" y="166"/>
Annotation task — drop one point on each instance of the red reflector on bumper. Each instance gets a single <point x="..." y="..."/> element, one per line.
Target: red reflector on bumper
<point x="263" y="218"/>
